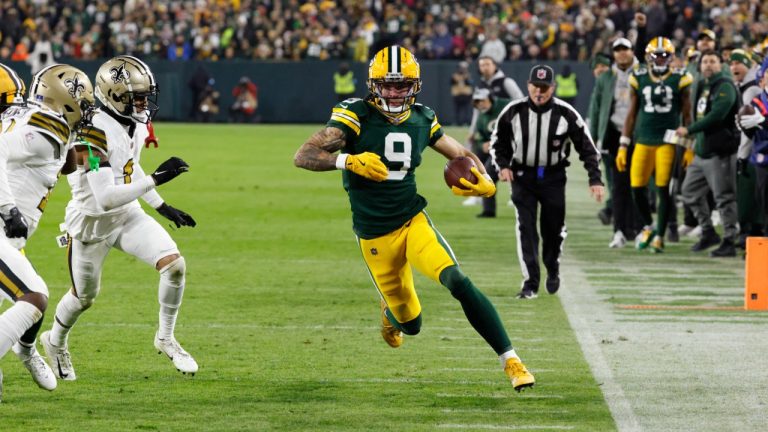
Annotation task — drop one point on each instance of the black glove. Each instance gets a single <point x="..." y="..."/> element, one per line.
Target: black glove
<point x="741" y="168"/>
<point x="15" y="225"/>
<point x="169" y="170"/>
<point x="176" y="216"/>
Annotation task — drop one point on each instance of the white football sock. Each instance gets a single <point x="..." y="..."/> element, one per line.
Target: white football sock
<point x="14" y="322"/>
<point x="167" y="322"/>
<point x="508" y="355"/>
<point x="170" y="293"/>
<point x="67" y="312"/>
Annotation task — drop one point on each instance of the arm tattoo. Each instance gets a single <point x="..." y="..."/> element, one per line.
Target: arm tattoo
<point x="317" y="153"/>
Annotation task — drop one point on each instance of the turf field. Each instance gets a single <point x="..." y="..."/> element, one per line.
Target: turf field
<point x="282" y="318"/>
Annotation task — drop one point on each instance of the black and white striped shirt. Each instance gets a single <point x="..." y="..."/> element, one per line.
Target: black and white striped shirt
<point x="530" y="136"/>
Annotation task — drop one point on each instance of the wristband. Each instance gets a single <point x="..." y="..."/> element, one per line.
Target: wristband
<point x="625" y="141"/>
<point x="341" y="161"/>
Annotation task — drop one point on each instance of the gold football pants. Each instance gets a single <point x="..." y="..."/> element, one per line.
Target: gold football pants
<point x="389" y="259"/>
<point x="646" y="158"/>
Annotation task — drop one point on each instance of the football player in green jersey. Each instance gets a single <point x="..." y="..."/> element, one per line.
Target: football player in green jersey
<point x="658" y="100"/>
<point x="381" y="139"/>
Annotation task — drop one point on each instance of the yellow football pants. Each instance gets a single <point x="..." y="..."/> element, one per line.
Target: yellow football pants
<point x="646" y="158"/>
<point x="389" y="259"/>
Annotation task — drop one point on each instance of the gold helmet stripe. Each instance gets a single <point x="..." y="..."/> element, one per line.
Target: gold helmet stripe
<point x="14" y="77"/>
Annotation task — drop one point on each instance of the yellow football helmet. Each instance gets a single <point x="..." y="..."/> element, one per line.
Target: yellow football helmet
<point x="394" y="65"/>
<point x="658" y="54"/>
<point x="12" y="88"/>
<point x="66" y="90"/>
<point x="123" y="79"/>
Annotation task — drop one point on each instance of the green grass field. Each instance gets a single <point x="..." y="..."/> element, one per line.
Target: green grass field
<point x="282" y="317"/>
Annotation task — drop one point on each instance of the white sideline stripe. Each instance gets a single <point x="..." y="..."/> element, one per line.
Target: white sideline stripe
<point x="497" y="396"/>
<point x="502" y="427"/>
<point x="524" y="410"/>
<point x="621" y="410"/>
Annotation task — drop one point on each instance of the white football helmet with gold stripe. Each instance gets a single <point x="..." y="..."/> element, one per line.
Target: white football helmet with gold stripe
<point x="12" y="88"/>
<point x="396" y="65"/>
<point x="127" y="86"/>
<point x="66" y="90"/>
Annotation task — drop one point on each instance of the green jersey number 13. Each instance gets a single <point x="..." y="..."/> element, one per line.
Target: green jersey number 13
<point x="664" y="93"/>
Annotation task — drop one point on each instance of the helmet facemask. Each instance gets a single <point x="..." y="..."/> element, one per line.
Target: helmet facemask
<point x="385" y="104"/>
<point x="659" y="61"/>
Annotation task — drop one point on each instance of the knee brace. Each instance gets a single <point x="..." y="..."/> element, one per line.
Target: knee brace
<point x="172" y="283"/>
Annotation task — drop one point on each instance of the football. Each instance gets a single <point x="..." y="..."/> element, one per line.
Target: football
<point x="459" y="168"/>
<point x="747" y="110"/>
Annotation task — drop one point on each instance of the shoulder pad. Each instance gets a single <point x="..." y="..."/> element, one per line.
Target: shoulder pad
<point x="95" y="136"/>
<point x="424" y="110"/>
<point x="355" y="105"/>
<point x="642" y="70"/>
<point x="50" y="124"/>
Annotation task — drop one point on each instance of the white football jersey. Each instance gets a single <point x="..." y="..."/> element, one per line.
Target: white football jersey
<point x="38" y="141"/>
<point x="123" y="152"/>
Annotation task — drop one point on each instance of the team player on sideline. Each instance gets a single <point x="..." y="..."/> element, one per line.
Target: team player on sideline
<point x="381" y="139"/>
<point x="104" y="212"/>
<point x="658" y="99"/>
<point x="34" y="145"/>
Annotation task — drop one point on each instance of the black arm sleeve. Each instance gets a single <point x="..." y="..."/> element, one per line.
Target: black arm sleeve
<point x="502" y="141"/>
<point x="582" y="142"/>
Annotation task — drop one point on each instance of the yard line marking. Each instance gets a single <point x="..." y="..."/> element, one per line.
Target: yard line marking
<point x="474" y="338"/>
<point x="680" y="307"/>
<point x="485" y="370"/>
<point x="406" y="380"/>
<point x="622" y="411"/>
<point x="497" y="396"/>
<point x="524" y="410"/>
<point x="503" y="427"/>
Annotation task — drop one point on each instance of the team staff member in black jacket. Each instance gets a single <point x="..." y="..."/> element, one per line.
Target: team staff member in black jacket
<point x="530" y="148"/>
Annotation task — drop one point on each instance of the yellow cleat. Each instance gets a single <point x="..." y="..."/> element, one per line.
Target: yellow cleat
<point x="392" y="336"/>
<point x="517" y="372"/>
<point x="644" y="239"/>
<point x="657" y="245"/>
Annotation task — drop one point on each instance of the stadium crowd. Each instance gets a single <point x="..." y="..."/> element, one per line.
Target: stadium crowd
<point x="354" y="29"/>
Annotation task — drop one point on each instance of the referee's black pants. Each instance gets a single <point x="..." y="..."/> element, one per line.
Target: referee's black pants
<point x="532" y="188"/>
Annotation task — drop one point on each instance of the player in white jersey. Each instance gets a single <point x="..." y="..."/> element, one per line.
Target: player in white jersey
<point x="34" y="146"/>
<point x="104" y="212"/>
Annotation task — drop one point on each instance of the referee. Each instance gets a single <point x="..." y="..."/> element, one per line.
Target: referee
<point x="530" y="148"/>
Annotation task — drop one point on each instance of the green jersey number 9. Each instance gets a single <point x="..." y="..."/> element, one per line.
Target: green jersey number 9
<point x="393" y="155"/>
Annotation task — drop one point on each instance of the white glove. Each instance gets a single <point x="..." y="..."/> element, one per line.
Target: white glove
<point x="750" y="121"/>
